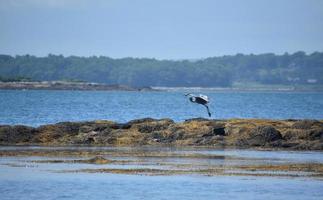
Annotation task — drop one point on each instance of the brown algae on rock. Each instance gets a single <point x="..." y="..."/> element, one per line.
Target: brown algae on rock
<point x="234" y="133"/>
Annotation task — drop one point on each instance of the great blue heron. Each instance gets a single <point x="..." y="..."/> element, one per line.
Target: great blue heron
<point x="200" y="99"/>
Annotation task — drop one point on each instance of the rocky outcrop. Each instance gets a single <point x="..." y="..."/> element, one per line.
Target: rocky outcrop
<point x="240" y="133"/>
<point x="17" y="134"/>
<point x="262" y="136"/>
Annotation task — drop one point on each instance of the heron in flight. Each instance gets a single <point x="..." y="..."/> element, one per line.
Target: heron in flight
<point x="200" y="99"/>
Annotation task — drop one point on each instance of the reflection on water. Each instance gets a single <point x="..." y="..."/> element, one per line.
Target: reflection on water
<point x="158" y="173"/>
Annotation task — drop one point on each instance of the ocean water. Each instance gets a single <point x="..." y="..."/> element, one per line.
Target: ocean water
<point x="32" y="107"/>
<point x="22" y="179"/>
<point x="124" y="187"/>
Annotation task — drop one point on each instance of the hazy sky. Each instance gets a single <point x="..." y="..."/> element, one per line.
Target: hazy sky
<point x="171" y="29"/>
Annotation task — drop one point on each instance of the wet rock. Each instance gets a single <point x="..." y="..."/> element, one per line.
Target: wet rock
<point x="316" y="134"/>
<point x="307" y="124"/>
<point x="157" y="136"/>
<point x="153" y="126"/>
<point x="217" y="140"/>
<point x="219" y="131"/>
<point x="303" y="134"/>
<point x="143" y="120"/>
<point x="297" y="134"/>
<point x="178" y="135"/>
<point x="217" y="128"/>
<point x="287" y="144"/>
<point x="199" y="119"/>
<point x="105" y="131"/>
<point x="291" y="134"/>
<point x="17" y="134"/>
<point x="71" y="128"/>
<point x="49" y="133"/>
<point x="262" y="135"/>
<point x="121" y="126"/>
<point x="317" y="145"/>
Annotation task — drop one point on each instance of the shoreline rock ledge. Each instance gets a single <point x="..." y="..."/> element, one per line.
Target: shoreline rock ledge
<point x="233" y="133"/>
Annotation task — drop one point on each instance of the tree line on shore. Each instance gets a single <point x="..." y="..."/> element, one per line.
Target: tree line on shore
<point x="268" y="69"/>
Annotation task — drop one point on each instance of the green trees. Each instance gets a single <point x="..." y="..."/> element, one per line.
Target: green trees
<point x="288" y="69"/>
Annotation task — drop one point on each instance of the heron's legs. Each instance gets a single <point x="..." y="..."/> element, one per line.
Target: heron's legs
<point x="208" y="110"/>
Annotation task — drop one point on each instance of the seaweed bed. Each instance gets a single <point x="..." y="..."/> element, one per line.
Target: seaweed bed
<point x="233" y="133"/>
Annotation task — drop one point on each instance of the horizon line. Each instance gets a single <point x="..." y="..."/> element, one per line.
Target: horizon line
<point x="155" y="58"/>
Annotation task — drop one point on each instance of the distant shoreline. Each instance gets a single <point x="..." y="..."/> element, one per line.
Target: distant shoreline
<point x="65" y="85"/>
<point x="86" y="86"/>
<point x="237" y="89"/>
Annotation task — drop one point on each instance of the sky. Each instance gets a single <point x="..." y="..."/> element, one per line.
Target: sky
<point x="162" y="29"/>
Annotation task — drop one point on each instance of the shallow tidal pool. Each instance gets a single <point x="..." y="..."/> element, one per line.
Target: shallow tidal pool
<point x="158" y="173"/>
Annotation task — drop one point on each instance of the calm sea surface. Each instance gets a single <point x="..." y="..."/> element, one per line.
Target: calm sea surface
<point x="20" y="178"/>
<point x="43" y="107"/>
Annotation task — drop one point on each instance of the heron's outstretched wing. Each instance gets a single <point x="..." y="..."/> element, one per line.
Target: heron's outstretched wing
<point x="208" y="110"/>
<point x="189" y="94"/>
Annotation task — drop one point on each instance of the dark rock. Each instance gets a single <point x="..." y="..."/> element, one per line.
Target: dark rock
<point x="89" y="140"/>
<point x="143" y="120"/>
<point x="62" y="128"/>
<point x="54" y="132"/>
<point x="296" y="134"/>
<point x="159" y="136"/>
<point x="121" y="126"/>
<point x="285" y="144"/>
<point x="219" y="131"/>
<point x="153" y="126"/>
<point x="291" y="120"/>
<point x="101" y="128"/>
<point x="217" y="128"/>
<point x="316" y="134"/>
<point x="306" y="124"/>
<point x="317" y="146"/>
<point x="303" y="146"/>
<point x="199" y="119"/>
<point x="178" y="135"/>
<point x="262" y="135"/>
<point x="106" y="131"/>
<point x="241" y="142"/>
<point x="304" y="134"/>
<point x="69" y="127"/>
<point x="147" y="128"/>
<point x="17" y="134"/>
<point x="211" y="140"/>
